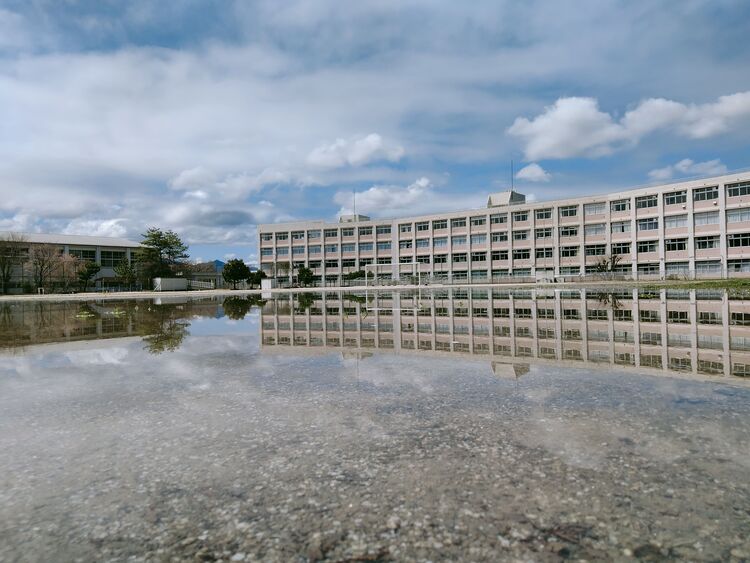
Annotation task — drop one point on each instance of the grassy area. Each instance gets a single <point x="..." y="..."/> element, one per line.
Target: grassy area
<point x="737" y="284"/>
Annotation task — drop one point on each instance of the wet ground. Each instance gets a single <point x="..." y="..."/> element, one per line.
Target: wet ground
<point x="213" y="448"/>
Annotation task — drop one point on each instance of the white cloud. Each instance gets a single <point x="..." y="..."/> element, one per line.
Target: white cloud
<point x="96" y="228"/>
<point x="533" y="173"/>
<point x="687" y="167"/>
<point x="574" y="127"/>
<point x="356" y="151"/>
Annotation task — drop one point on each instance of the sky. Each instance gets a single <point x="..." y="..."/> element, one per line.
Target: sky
<point x="209" y="117"/>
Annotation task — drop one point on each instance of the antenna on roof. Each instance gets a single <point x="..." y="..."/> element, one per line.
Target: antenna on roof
<point x="511" y="175"/>
<point x="354" y="204"/>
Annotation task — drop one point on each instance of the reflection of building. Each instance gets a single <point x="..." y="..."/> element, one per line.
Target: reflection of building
<point x="697" y="227"/>
<point x="691" y="331"/>
<point x="105" y="251"/>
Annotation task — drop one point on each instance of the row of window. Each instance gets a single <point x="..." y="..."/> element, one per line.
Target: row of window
<point x="652" y="223"/>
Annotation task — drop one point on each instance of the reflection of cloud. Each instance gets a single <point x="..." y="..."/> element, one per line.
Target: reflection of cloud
<point x="98" y="356"/>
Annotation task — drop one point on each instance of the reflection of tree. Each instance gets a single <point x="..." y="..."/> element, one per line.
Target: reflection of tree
<point x="163" y="328"/>
<point x="236" y="307"/>
<point x="608" y="298"/>
<point x="305" y="301"/>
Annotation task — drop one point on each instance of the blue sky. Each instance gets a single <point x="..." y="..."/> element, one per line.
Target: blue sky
<point x="210" y="116"/>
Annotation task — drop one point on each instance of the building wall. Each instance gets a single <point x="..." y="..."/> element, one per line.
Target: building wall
<point x="698" y="228"/>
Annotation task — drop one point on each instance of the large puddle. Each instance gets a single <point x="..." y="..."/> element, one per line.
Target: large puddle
<point x="421" y="425"/>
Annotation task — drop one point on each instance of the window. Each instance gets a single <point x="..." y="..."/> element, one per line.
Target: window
<point x="423" y="243"/>
<point x="365" y="247"/>
<point x="458" y="222"/>
<point x="705" y="194"/>
<point x="500" y="237"/>
<point x="679" y="317"/>
<point x="478" y="221"/>
<point x="478" y="256"/>
<point x="383" y="230"/>
<point x="384" y="260"/>
<point x="404" y="260"/>
<point x="620" y="205"/>
<point x="458" y="240"/>
<point x="282" y="251"/>
<point x="440" y="224"/>
<point x="738" y="188"/>
<point x="569" y="211"/>
<point x="478" y="239"/>
<point x="499" y="254"/>
<point x="460" y="257"/>
<point x="570" y="270"/>
<point x="544" y="253"/>
<point x="594" y="230"/>
<point x="520" y="235"/>
<point x="440" y="259"/>
<point x="520" y="216"/>
<point x="596" y="249"/>
<point x="675" y="222"/>
<point x="404" y="228"/>
<point x="332" y="263"/>
<point x="543" y="233"/>
<point x="498" y="218"/>
<point x="347" y="232"/>
<point x="648" y="268"/>
<point x="523" y="254"/>
<point x="621" y="227"/>
<point x="738" y="215"/>
<point x="597" y="315"/>
<point x="315" y="249"/>
<point x="623" y="315"/>
<point x="282" y="236"/>
<point x="110" y="258"/>
<point x="330" y="233"/>
<point x="348" y="263"/>
<point x="269" y="251"/>
<point x="594" y="209"/>
<point x="676" y="268"/>
<point x="265" y="237"/>
<point x="737" y="240"/>
<point x="405" y="244"/>
<point x="568" y="231"/>
<point x="708" y="267"/>
<point x="331" y="248"/>
<point x="365" y="231"/>
<point x="709" y="318"/>
<point x="646" y="201"/>
<point x="384" y="245"/>
<point x="522" y="313"/>
<point x="650" y="224"/>
<point x="542" y="214"/>
<point x="84" y="255"/>
<point x="297" y="250"/>
<point x="362" y="262"/>
<point x="568" y="251"/>
<point x="440" y="242"/>
<point x="349" y="247"/>
<point x="675" y="198"/>
<point x="571" y="314"/>
<point x="675" y="244"/>
<point x="422" y="226"/>
<point x="648" y="246"/>
<point x="710" y="218"/>
<point x="620" y="248"/>
<point x="423" y="259"/>
<point x="705" y="243"/>
<point x="545" y="314"/>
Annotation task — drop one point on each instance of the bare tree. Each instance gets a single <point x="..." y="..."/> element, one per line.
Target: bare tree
<point x="13" y="248"/>
<point x="67" y="270"/>
<point x="44" y="262"/>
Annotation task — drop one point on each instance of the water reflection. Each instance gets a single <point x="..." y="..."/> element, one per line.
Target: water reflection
<point x="699" y="332"/>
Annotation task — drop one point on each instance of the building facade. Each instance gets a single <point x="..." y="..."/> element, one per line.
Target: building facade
<point x="105" y="251"/>
<point x="696" y="228"/>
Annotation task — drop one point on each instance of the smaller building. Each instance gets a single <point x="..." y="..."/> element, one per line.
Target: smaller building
<point x="65" y="252"/>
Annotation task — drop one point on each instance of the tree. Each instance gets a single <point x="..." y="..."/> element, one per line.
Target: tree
<point x="12" y="255"/>
<point x="68" y="270"/>
<point x="87" y="272"/>
<point x="305" y="275"/>
<point x="44" y="261"/>
<point x="160" y="253"/>
<point x="126" y="272"/>
<point x="608" y="265"/>
<point x="234" y="271"/>
<point x="236" y="308"/>
<point x="255" y="278"/>
<point x="282" y="268"/>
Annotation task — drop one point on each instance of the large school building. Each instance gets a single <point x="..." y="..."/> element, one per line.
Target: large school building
<point x="696" y="228"/>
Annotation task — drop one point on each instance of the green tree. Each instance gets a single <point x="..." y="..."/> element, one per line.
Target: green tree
<point x="236" y="308"/>
<point x="126" y="272"/>
<point x="87" y="272"/>
<point x="235" y="271"/>
<point x="305" y="275"/>
<point x="255" y="278"/>
<point x="608" y="265"/>
<point x="161" y="252"/>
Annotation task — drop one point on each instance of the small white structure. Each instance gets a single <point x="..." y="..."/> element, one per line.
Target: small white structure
<point x="170" y="284"/>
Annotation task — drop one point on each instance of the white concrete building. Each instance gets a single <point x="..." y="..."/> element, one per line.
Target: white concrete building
<point x="694" y="228"/>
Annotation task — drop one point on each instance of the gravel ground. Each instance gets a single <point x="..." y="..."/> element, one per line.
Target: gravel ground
<point x="219" y="452"/>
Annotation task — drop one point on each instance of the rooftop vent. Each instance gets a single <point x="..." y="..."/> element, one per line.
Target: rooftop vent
<point x="353" y="218"/>
<point x="501" y="199"/>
